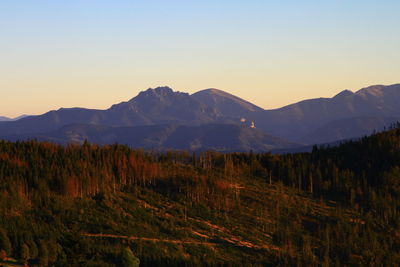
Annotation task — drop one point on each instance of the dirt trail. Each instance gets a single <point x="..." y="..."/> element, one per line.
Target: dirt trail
<point x="148" y="239"/>
<point x="224" y="238"/>
<point x="222" y="242"/>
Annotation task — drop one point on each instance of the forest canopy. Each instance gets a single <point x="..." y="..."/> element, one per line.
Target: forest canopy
<point x="90" y="205"/>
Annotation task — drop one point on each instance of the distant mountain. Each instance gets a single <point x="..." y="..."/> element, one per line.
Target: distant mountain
<point x="297" y="121"/>
<point x="222" y="104"/>
<point x="347" y="129"/>
<point x="219" y="137"/>
<point x="159" y="106"/>
<point x="20" y="117"/>
<point x="52" y="120"/>
<point x="320" y="120"/>
<point x="2" y="118"/>
<point x="151" y="107"/>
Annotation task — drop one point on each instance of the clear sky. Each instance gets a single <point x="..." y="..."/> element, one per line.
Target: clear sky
<point x="94" y="53"/>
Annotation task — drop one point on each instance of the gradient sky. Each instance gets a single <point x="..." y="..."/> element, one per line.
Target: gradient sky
<point x="92" y="53"/>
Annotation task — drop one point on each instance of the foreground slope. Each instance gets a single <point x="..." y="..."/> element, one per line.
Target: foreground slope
<point x="83" y="205"/>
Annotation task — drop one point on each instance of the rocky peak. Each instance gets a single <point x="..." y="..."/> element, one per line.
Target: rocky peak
<point x="344" y="93"/>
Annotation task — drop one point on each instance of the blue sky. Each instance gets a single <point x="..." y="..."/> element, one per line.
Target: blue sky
<point x="95" y="53"/>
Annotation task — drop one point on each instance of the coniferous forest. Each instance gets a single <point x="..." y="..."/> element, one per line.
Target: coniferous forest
<point x="90" y="205"/>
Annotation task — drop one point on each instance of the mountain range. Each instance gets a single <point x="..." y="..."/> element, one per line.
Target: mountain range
<point x="327" y="119"/>
<point x="161" y="118"/>
<point x="2" y="118"/>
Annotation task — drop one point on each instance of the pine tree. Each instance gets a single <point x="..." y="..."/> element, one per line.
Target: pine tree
<point x="33" y="250"/>
<point x="24" y="253"/>
<point x="43" y="254"/>
<point x="128" y="259"/>
<point x="5" y="243"/>
<point x="3" y="254"/>
<point x="62" y="260"/>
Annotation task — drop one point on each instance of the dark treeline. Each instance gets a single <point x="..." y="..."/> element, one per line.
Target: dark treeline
<point x="334" y="206"/>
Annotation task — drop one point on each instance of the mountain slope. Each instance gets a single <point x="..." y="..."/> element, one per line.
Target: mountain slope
<point x="219" y="137"/>
<point x="2" y="118"/>
<point x="85" y="205"/>
<point x="223" y="104"/>
<point x="53" y="120"/>
<point x="159" y="106"/>
<point x="347" y="129"/>
<point x="308" y="121"/>
<point x="154" y="106"/>
<point x="302" y="118"/>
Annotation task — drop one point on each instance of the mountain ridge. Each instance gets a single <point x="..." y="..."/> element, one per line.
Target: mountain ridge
<point x="4" y="118"/>
<point x="300" y="122"/>
<point x="300" y="119"/>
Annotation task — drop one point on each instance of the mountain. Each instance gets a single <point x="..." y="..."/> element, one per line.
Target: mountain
<point x="321" y="120"/>
<point x="347" y="129"/>
<point x="223" y="104"/>
<point x="151" y="107"/>
<point x="297" y="121"/>
<point x="2" y="118"/>
<point x="219" y="137"/>
<point x="160" y="106"/>
<point x="159" y="109"/>
<point x="53" y="120"/>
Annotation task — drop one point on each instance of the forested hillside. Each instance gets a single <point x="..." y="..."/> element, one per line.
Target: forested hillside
<point x="95" y="205"/>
